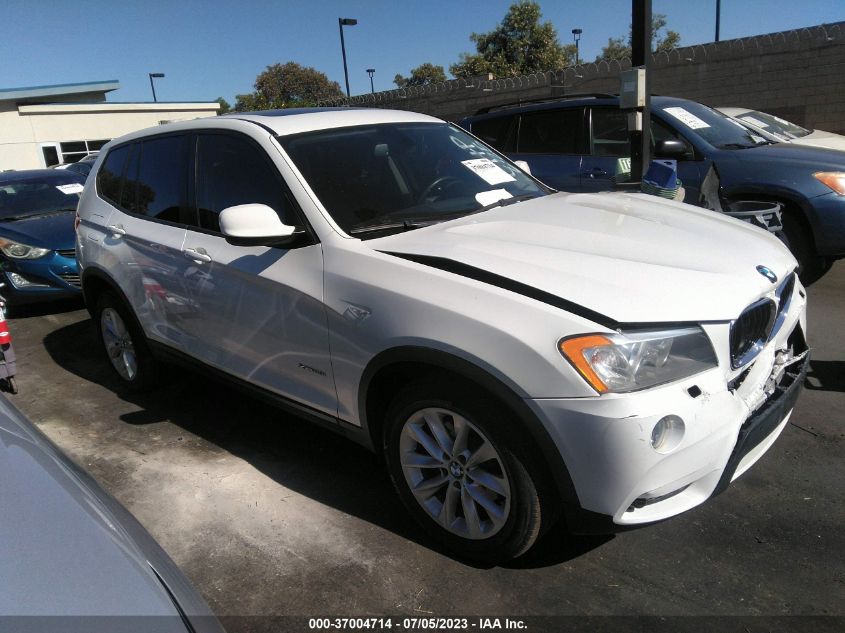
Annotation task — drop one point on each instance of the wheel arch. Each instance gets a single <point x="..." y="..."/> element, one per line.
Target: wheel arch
<point x="392" y="368"/>
<point x="94" y="282"/>
<point x="792" y="199"/>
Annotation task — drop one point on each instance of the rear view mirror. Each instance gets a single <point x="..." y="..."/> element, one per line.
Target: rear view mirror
<point x="523" y="166"/>
<point x="254" y="225"/>
<point x="670" y="148"/>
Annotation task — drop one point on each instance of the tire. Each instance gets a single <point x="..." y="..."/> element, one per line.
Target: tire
<point x="124" y="344"/>
<point x="799" y="241"/>
<point x="454" y="488"/>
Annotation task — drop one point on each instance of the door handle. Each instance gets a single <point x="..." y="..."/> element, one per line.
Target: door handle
<point x="117" y="230"/>
<point x="199" y="255"/>
<point x="595" y="172"/>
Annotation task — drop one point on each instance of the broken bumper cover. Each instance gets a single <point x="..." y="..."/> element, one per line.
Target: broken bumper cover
<point x="622" y="480"/>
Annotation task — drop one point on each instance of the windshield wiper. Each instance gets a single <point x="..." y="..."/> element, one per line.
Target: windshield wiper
<point x="384" y="225"/>
<point x="29" y="216"/>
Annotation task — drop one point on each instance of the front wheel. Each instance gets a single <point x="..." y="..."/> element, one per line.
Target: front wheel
<point x="450" y="460"/>
<point x="124" y="343"/>
<point x="797" y="239"/>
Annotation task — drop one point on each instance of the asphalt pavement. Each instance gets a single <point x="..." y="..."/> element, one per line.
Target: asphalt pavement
<point x="270" y="516"/>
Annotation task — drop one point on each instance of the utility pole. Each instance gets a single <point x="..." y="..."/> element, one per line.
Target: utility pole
<point x="718" y="17"/>
<point x="641" y="57"/>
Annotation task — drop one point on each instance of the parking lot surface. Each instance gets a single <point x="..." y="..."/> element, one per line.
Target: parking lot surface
<point x="268" y="515"/>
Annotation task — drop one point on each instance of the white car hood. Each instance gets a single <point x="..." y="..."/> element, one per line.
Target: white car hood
<point x="630" y="257"/>
<point x="820" y="138"/>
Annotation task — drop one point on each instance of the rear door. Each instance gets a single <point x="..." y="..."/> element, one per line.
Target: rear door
<point x="552" y="143"/>
<point x="263" y="318"/>
<point x="145" y="233"/>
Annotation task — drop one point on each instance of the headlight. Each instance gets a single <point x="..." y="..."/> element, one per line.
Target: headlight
<point x="16" y="250"/>
<point x="833" y="179"/>
<point x="629" y="361"/>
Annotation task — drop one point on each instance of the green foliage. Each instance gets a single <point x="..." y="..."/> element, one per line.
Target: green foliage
<point x="617" y="48"/>
<point x="422" y="75"/>
<point x="288" y="86"/>
<point x="224" y="105"/>
<point x="519" y="45"/>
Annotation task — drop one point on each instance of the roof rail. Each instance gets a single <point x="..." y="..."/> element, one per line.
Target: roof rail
<point x="521" y="102"/>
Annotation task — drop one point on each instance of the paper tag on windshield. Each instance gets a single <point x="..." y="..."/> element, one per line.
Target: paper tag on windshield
<point x="494" y="195"/>
<point x="488" y="170"/>
<point x="753" y="121"/>
<point x="687" y="118"/>
<point x="73" y="187"/>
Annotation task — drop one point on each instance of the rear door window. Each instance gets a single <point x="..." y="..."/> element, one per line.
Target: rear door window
<point x="160" y="188"/>
<point x="552" y="132"/>
<point x="610" y="135"/>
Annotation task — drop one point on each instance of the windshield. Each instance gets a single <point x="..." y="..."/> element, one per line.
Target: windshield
<point x="28" y="198"/>
<point x="718" y="129"/>
<point x="773" y="125"/>
<point x="398" y="176"/>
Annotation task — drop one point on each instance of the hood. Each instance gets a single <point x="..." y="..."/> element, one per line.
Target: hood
<point x="49" y="231"/>
<point x="796" y="154"/>
<point x="633" y="258"/>
<point x="65" y="549"/>
<point x="820" y="138"/>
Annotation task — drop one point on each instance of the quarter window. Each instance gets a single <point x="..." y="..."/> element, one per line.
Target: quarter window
<point x="110" y="174"/>
<point x="551" y="132"/>
<point x="232" y="171"/>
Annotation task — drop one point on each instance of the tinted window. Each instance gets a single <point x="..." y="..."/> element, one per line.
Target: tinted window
<point x="233" y="171"/>
<point x="551" y="132"/>
<point x="162" y="184"/>
<point x="130" y="187"/>
<point x="26" y="197"/>
<point x="610" y="132"/>
<point x="497" y="132"/>
<point x="111" y="171"/>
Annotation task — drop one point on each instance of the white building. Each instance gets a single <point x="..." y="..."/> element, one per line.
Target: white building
<point x="48" y="125"/>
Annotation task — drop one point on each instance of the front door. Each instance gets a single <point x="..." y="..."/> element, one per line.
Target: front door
<point x="262" y="315"/>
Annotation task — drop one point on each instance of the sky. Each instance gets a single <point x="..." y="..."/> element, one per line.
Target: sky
<point x="214" y="48"/>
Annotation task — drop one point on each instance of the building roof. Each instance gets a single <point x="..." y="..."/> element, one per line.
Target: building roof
<point x="57" y="90"/>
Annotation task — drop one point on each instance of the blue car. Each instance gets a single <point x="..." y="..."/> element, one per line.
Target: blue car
<point x="37" y="240"/>
<point x="573" y="143"/>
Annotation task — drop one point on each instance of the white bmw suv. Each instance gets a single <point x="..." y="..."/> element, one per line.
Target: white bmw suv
<point x="516" y="354"/>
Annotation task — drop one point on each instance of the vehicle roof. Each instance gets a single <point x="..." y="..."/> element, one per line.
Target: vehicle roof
<point x="296" y="120"/>
<point x="48" y="175"/>
<point x="574" y="101"/>
<point x="733" y="111"/>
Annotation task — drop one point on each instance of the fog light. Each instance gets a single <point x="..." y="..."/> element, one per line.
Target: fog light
<point x="19" y="281"/>
<point x="667" y="433"/>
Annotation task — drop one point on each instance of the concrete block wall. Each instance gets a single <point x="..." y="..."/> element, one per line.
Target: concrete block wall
<point x="798" y="74"/>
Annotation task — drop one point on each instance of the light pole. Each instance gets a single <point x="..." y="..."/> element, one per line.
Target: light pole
<point x="152" y="85"/>
<point x="371" y="72"/>
<point x="576" y="33"/>
<point x="718" y="17"/>
<point x="341" y="22"/>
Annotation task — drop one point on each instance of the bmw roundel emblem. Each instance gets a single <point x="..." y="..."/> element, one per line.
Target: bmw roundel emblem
<point x="767" y="273"/>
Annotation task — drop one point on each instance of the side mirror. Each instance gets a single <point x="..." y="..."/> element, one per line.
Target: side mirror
<point x="523" y="166"/>
<point x="254" y="225"/>
<point x="670" y="148"/>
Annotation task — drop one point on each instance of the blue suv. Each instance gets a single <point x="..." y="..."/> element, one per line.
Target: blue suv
<point x="572" y="144"/>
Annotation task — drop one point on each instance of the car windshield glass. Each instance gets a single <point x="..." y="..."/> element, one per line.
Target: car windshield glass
<point x="774" y="125"/>
<point x="400" y="176"/>
<point x="27" y="198"/>
<point x="715" y="128"/>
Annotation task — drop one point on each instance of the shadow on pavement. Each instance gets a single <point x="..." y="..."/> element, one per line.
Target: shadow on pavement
<point x="826" y="375"/>
<point x="42" y="309"/>
<point x="298" y="455"/>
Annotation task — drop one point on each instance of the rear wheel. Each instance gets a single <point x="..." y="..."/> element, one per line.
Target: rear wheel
<point x="451" y="461"/>
<point x="124" y="343"/>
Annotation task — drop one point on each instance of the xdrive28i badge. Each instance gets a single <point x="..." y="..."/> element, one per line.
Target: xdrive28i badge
<point x="767" y="273"/>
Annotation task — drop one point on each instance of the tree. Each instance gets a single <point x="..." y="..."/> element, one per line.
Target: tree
<point x="224" y="105"/>
<point x="422" y="75"/>
<point x="288" y="86"/>
<point x="617" y="48"/>
<point x="519" y="45"/>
